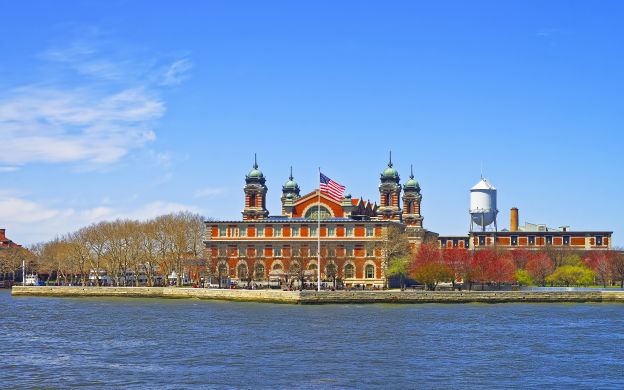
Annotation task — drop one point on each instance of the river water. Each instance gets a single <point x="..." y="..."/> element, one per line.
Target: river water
<point x="160" y="343"/>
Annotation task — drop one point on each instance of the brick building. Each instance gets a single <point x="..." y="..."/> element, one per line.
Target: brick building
<point x="6" y="242"/>
<point x="531" y="237"/>
<point x="267" y="248"/>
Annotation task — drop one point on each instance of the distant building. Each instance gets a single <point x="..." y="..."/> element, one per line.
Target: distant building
<point x="5" y="242"/>
<point x="530" y="236"/>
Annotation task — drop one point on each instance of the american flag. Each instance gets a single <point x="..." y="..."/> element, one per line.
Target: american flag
<point x="331" y="188"/>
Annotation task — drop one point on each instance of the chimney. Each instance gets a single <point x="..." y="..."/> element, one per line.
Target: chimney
<point x="513" y="225"/>
<point x="2" y="235"/>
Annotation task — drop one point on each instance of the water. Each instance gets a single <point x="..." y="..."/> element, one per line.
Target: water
<point x="149" y="343"/>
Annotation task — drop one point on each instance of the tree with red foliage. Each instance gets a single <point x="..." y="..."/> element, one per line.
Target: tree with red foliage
<point x="539" y="267"/>
<point x="458" y="262"/>
<point x="487" y="266"/>
<point x="520" y="258"/>
<point x="428" y="266"/>
<point x="616" y="261"/>
<point x="598" y="262"/>
<point x="502" y="270"/>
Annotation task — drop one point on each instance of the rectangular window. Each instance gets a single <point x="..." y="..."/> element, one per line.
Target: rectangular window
<point x="222" y="231"/>
<point x="313" y="231"/>
<point x="331" y="252"/>
<point x="531" y="240"/>
<point x="369" y="231"/>
<point x="370" y="252"/>
<point x="481" y="240"/>
<point x="260" y="231"/>
<point x="349" y="231"/>
<point x="549" y="240"/>
<point x="566" y="240"/>
<point x="259" y="252"/>
<point x="277" y="232"/>
<point x="241" y="252"/>
<point x="277" y="252"/>
<point x="349" y="251"/>
<point x="514" y="240"/>
<point x="295" y="231"/>
<point x="242" y="231"/>
<point x="331" y="231"/>
<point x="599" y="240"/>
<point x="443" y="243"/>
<point x="222" y="251"/>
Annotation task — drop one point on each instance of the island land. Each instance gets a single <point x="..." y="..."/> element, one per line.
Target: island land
<point x="327" y="297"/>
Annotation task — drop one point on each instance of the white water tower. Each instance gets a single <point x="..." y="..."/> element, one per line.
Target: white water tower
<point x="483" y="205"/>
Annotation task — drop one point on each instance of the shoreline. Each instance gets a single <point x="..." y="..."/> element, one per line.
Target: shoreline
<point x="325" y="297"/>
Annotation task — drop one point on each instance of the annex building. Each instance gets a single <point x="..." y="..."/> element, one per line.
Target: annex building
<point x="283" y="248"/>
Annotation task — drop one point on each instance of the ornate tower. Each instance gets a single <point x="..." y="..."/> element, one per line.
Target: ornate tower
<point x="411" y="202"/>
<point x="390" y="193"/>
<point x="255" y="194"/>
<point x="290" y="192"/>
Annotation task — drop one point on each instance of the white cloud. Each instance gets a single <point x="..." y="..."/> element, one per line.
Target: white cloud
<point x="82" y="119"/>
<point x="208" y="192"/>
<point x="30" y="221"/>
<point x="177" y="72"/>
<point x="53" y="125"/>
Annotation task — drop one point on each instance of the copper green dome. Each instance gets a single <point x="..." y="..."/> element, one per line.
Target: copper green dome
<point x="291" y="184"/>
<point x="390" y="172"/>
<point x="255" y="173"/>
<point x="411" y="183"/>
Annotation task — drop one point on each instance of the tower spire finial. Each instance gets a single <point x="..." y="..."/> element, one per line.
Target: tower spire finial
<point x="411" y="171"/>
<point x="291" y="176"/>
<point x="255" y="161"/>
<point x="390" y="162"/>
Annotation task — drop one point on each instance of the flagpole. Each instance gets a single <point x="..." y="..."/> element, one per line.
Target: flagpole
<point x="318" y="232"/>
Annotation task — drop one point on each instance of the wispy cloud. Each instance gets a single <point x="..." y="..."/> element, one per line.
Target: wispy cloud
<point x="82" y="119"/>
<point x="177" y="72"/>
<point x="32" y="221"/>
<point x="208" y="192"/>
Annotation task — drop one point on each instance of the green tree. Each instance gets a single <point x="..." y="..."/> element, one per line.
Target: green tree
<point x="523" y="277"/>
<point x="394" y="247"/>
<point x="399" y="267"/>
<point x="567" y="275"/>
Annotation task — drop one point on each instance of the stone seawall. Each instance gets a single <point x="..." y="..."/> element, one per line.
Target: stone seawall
<point x="326" y="297"/>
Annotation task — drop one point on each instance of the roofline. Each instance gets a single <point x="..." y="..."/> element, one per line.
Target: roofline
<point x="308" y="221"/>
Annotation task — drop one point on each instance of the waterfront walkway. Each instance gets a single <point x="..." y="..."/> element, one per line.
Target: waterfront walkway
<point x="325" y="297"/>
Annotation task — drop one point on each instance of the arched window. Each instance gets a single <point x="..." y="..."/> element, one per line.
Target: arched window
<point x="312" y="266"/>
<point x="313" y="212"/>
<point x="369" y="271"/>
<point x="242" y="271"/>
<point x="349" y="271"/>
<point x="252" y="200"/>
<point x="259" y="271"/>
<point x="388" y="198"/>
<point x="222" y="269"/>
<point x="277" y="267"/>
<point x="410" y="207"/>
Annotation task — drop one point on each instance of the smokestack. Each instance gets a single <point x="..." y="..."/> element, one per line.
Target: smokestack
<point x="513" y="225"/>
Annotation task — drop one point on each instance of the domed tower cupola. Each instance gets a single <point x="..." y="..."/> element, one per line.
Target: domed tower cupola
<point x="390" y="193"/>
<point x="255" y="194"/>
<point x="411" y="202"/>
<point x="290" y="193"/>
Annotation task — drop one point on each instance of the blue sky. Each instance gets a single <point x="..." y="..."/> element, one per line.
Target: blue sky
<point x="114" y="109"/>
